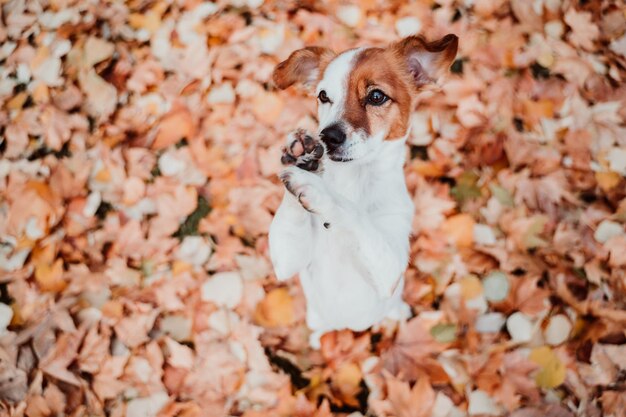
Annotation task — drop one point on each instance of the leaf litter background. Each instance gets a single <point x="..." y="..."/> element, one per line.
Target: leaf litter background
<point x="140" y="146"/>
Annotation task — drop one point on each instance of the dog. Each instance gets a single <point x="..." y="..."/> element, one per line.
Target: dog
<point x="345" y="219"/>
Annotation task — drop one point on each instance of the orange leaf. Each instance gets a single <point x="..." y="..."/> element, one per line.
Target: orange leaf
<point x="50" y="276"/>
<point x="536" y="110"/>
<point x="607" y="180"/>
<point x="460" y="228"/>
<point x="347" y="380"/>
<point x="276" y="309"/>
<point x="174" y="126"/>
<point x="415" y="402"/>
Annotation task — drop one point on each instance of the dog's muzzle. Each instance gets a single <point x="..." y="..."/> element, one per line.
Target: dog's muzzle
<point x="334" y="137"/>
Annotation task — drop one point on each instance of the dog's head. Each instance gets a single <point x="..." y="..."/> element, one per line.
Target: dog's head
<point x="366" y="95"/>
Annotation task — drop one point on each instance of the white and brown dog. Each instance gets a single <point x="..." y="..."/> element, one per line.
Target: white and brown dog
<point x="345" y="220"/>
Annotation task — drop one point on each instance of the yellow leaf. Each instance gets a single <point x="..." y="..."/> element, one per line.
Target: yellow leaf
<point x="460" y="228"/>
<point x="41" y="94"/>
<point x="427" y="168"/>
<point x="43" y="254"/>
<point x="607" y="180"/>
<point x="17" y="101"/>
<point x="347" y="380"/>
<point x="17" y="319"/>
<point x="150" y="21"/>
<point x="24" y="243"/>
<point x="50" y="276"/>
<point x="276" y="309"/>
<point x="178" y="267"/>
<point x="552" y="371"/>
<point x="531" y="237"/>
<point x="471" y="287"/>
<point x="103" y="175"/>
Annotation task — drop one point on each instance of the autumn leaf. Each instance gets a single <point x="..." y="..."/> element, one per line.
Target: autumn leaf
<point x="412" y="352"/>
<point x="460" y="228"/>
<point x="465" y="188"/>
<point x="584" y="31"/>
<point x="411" y="402"/>
<point x="50" y="276"/>
<point x="347" y="381"/>
<point x="173" y="127"/>
<point x="276" y="309"/>
<point x="551" y="373"/>
<point x="444" y="333"/>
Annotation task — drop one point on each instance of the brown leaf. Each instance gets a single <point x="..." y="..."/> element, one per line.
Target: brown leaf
<point x="173" y="127"/>
<point x="411" y="354"/>
<point x="411" y="402"/>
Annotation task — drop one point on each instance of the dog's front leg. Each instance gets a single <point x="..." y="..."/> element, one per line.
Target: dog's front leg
<point x="290" y="238"/>
<point x="378" y="244"/>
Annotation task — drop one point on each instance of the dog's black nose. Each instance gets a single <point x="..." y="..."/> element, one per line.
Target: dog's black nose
<point x="333" y="136"/>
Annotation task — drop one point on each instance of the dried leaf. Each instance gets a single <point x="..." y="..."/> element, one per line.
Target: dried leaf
<point x="276" y="309"/>
<point x="552" y="371"/>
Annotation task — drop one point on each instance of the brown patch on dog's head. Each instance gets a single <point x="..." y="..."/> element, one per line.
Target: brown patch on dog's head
<point x="398" y="72"/>
<point x="304" y="66"/>
<point x="377" y="69"/>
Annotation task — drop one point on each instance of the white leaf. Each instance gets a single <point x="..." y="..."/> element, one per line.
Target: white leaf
<point x="619" y="46"/>
<point x="224" y="289"/>
<point x="223" y="321"/>
<point x="408" y="26"/>
<point x="177" y="326"/>
<point x="558" y="330"/>
<point x="147" y="406"/>
<point x="481" y="403"/>
<point x="490" y="323"/>
<point x="194" y="250"/>
<point x="222" y="94"/>
<point x="606" y="230"/>
<point x="617" y="160"/>
<point x="349" y="15"/>
<point x="96" y="50"/>
<point x="6" y="314"/>
<point x="519" y="327"/>
<point x="483" y="235"/>
<point x="496" y="286"/>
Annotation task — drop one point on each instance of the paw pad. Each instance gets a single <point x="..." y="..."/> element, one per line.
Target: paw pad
<point x="303" y="151"/>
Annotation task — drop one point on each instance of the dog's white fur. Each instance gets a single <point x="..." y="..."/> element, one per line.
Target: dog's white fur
<point x="352" y="271"/>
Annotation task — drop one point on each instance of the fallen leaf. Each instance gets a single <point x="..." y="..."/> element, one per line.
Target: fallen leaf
<point x="50" y="277"/>
<point x="460" y="228"/>
<point x="411" y="402"/>
<point x="174" y="126"/>
<point x="552" y="371"/>
<point x="276" y="309"/>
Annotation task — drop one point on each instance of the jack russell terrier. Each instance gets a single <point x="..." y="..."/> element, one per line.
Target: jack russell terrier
<point x="345" y="219"/>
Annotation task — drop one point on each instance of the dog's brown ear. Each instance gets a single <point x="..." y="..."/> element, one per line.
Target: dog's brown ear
<point x="303" y="66"/>
<point x="427" y="61"/>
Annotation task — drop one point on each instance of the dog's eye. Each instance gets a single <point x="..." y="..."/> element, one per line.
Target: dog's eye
<point x="323" y="97"/>
<point x="376" y="98"/>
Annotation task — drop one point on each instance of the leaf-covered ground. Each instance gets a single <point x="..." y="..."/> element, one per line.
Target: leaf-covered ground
<point x="139" y="147"/>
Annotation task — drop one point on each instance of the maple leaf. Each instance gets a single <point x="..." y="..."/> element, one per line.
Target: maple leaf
<point x="417" y="401"/>
<point x="412" y="353"/>
<point x="584" y="31"/>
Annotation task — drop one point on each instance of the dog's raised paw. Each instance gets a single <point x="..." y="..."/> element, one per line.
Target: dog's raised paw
<point x="303" y="151"/>
<point x="307" y="187"/>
